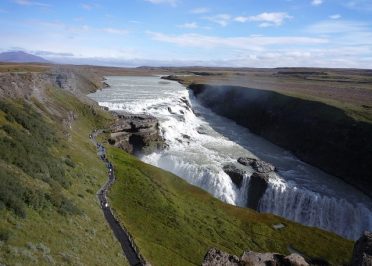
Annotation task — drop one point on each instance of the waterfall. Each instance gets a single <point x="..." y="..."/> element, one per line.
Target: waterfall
<point x="310" y="208"/>
<point x="200" y="143"/>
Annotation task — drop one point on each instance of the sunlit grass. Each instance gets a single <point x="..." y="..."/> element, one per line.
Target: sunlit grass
<point x="175" y="223"/>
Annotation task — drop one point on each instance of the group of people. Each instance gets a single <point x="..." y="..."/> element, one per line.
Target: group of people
<point x="102" y="154"/>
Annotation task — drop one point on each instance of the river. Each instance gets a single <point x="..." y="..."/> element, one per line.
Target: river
<point x="201" y="142"/>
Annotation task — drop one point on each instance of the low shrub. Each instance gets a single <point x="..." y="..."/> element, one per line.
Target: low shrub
<point x="27" y="144"/>
<point x="4" y="235"/>
<point x="70" y="162"/>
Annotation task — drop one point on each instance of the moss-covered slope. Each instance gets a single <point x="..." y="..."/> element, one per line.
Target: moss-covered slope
<point x="49" y="175"/>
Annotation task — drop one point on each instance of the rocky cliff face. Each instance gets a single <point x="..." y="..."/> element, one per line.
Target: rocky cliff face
<point x="216" y="257"/>
<point x="319" y="134"/>
<point x="258" y="182"/>
<point x="34" y="84"/>
<point x="362" y="254"/>
<point x="137" y="134"/>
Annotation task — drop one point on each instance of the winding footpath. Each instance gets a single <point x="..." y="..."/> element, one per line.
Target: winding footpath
<point x="130" y="250"/>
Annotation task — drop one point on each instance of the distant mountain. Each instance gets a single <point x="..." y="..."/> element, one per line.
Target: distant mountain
<point x="21" y="57"/>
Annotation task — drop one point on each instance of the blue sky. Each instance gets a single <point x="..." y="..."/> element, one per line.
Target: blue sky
<point x="249" y="33"/>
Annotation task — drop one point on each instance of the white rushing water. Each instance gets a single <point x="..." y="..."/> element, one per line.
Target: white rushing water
<point x="200" y="143"/>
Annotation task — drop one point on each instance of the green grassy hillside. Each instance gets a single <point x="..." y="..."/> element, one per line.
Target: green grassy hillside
<point x="49" y="175"/>
<point x="175" y="223"/>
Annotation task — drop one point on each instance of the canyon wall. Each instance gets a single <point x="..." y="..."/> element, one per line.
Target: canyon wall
<point x="319" y="134"/>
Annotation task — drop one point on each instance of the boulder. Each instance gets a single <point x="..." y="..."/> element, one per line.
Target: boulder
<point x="137" y="134"/>
<point x="362" y="253"/>
<point x="258" y="165"/>
<point x="258" y="184"/>
<point x="262" y="259"/>
<point x="245" y="161"/>
<point x="235" y="174"/>
<point x="202" y="130"/>
<point x="215" y="257"/>
<point x="295" y="260"/>
<point x="170" y="111"/>
<point x="219" y="258"/>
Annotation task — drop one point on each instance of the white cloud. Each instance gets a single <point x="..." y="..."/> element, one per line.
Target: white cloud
<point x="221" y="19"/>
<point x="362" y="5"/>
<point x="170" y="2"/>
<point x="241" y="19"/>
<point x="267" y="19"/>
<point x="200" y="10"/>
<point x="338" y="26"/>
<point x="251" y="42"/>
<point x="30" y="3"/>
<point x="316" y="2"/>
<point x="115" y="31"/>
<point x="87" y="6"/>
<point x="335" y="16"/>
<point x="190" y="25"/>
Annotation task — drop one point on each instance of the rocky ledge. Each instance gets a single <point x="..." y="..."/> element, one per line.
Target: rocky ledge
<point x="258" y="182"/>
<point x="362" y="256"/>
<point x="258" y="165"/>
<point x="236" y="174"/>
<point x="362" y="253"/>
<point x="136" y="133"/>
<point x="256" y="189"/>
<point x="216" y="257"/>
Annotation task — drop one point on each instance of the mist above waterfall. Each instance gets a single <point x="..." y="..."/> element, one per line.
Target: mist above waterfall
<point x="200" y="143"/>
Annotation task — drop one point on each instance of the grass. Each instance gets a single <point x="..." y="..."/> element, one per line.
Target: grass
<point x="60" y="224"/>
<point x="14" y="67"/>
<point x="175" y="223"/>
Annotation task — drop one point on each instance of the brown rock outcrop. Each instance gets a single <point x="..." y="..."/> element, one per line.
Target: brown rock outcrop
<point x="137" y="134"/>
<point x="216" y="257"/>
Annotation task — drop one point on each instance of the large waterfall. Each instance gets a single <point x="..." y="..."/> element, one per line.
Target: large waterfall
<point x="200" y="143"/>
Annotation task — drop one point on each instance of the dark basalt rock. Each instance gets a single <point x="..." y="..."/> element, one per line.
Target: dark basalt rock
<point x="256" y="188"/>
<point x="186" y="102"/>
<point x="362" y="253"/>
<point x="172" y="77"/>
<point x="216" y="257"/>
<point x="258" y="165"/>
<point x="171" y="111"/>
<point x="202" y="130"/>
<point x="137" y="134"/>
<point x="235" y="174"/>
